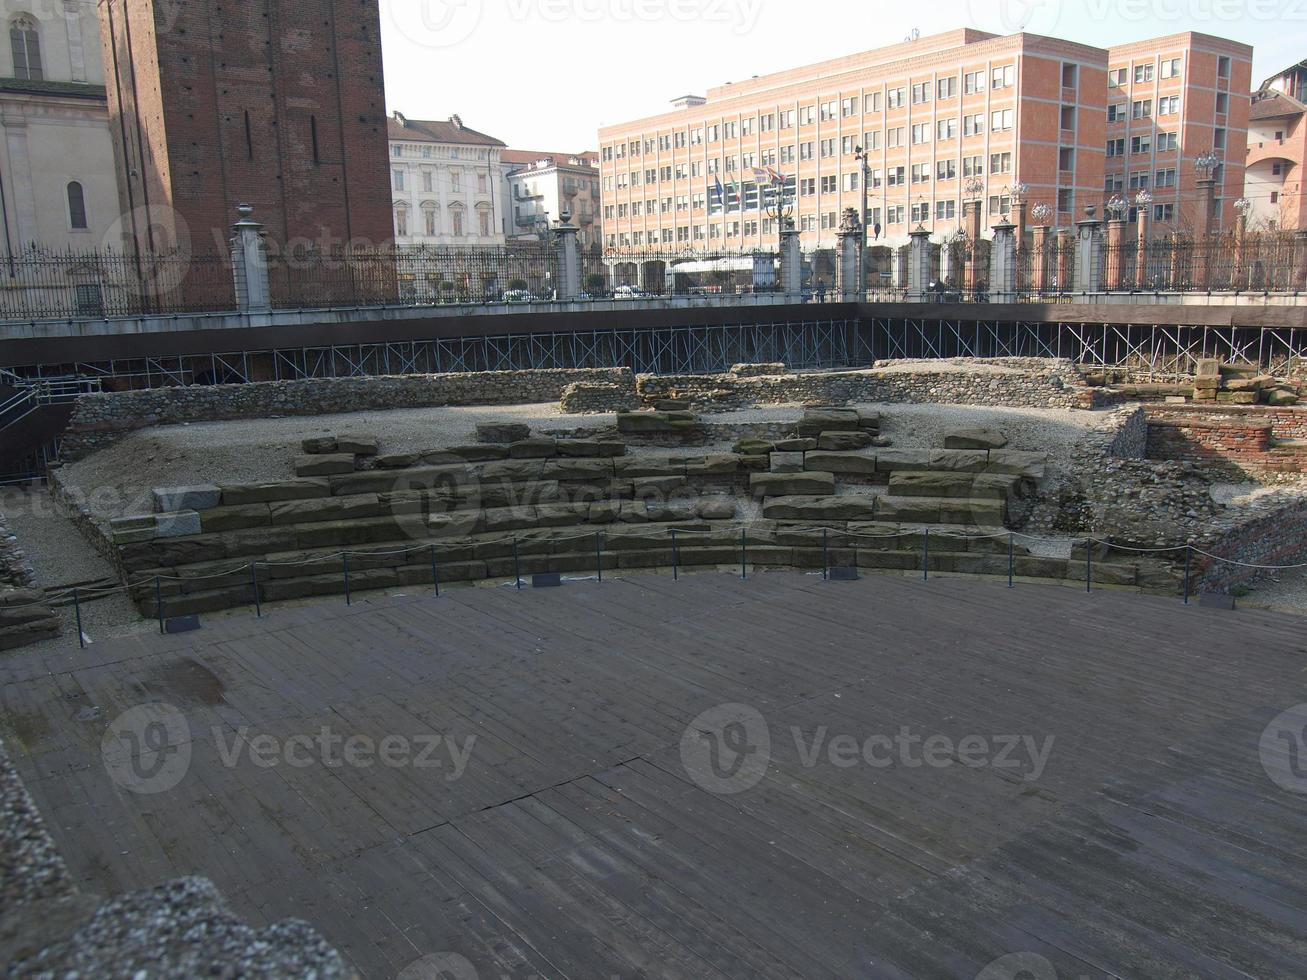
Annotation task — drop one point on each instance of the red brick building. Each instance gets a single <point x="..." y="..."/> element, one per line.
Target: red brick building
<point x="279" y="104"/>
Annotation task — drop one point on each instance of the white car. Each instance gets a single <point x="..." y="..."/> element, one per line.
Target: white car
<point x="519" y="296"/>
<point x="629" y="292"/>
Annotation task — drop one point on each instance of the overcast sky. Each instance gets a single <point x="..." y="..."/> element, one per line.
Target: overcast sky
<point x="545" y="74"/>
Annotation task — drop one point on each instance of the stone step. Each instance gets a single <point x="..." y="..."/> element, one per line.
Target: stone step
<point x="942" y="510"/>
<point x="969" y="486"/>
<point x="808" y="483"/>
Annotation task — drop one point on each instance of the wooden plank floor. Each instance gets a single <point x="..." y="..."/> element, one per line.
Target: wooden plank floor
<point x="577" y="844"/>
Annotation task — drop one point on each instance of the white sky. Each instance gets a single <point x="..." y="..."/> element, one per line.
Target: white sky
<point x="545" y="74"/>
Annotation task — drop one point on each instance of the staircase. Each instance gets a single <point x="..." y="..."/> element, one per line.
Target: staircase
<point x="33" y="417"/>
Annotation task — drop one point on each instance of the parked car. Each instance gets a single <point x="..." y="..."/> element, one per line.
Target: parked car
<point x="519" y="296"/>
<point x="629" y="292"/>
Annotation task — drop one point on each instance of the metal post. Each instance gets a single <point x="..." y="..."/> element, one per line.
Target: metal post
<point x="254" y="580"/>
<point x="676" y="558"/>
<point x="435" y="571"/>
<point x="77" y="608"/>
<point x="925" y="563"/>
<point x="1089" y="565"/>
<point x="825" y="555"/>
<point x="1011" y="561"/>
<point x="348" y="599"/>
<point x="517" y="567"/>
<point x="599" y="554"/>
<point x="158" y="602"/>
<point x="1188" y="561"/>
<point x="744" y="554"/>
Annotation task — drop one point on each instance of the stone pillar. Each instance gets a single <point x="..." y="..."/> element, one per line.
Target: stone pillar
<point x="973" y="246"/>
<point x="1089" y="254"/>
<point x="1141" y="250"/>
<point x="1113" y="273"/>
<point x="1300" y="243"/>
<point x="946" y="257"/>
<point x="1003" y="264"/>
<point x="1203" y="233"/>
<point x="249" y="264"/>
<point x="791" y="262"/>
<point x="1019" y="216"/>
<point x="1238" y="274"/>
<point x="1038" y="258"/>
<point x="849" y="279"/>
<point x="640" y="276"/>
<point x="569" y="259"/>
<point x="919" y="265"/>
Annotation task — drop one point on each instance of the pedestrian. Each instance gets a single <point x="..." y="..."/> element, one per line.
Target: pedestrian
<point x="821" y="290"/>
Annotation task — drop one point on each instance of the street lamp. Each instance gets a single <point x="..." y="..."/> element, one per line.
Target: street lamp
<point x="780" y="208"/>
<point x="1041" y="212"/>
<point x="1207" y="162"/>
<point x="1116" y="207"/>
<point x="860" y="154"/>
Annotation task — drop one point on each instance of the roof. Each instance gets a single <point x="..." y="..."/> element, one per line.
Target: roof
<point x="1269" y="104"/>
<point x="449" y="130"/>
<point x="1300" y="66"/>
<point x="529" y="158"/>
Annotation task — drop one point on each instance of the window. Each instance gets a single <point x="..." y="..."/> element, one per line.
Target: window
<point x="973" y="166"/>
<point x="806" y="116"/>
<point x="1163" y="212"/>
<point x="1001" y="163"/>
<point x="1001" y="119"/>
<point x="894" y="215"/>
<point x="483" y="182"/>
<point x="1142" y="109"/>
<point x="396" y="152"/>
<point x="1116" y="113"/>
<point x="1143" y="73"/>
<point x="920" y="93"/>
<point x="921" y="133"/>
<point x="827" y="148"/>
<point x="1114" y="182"/>
<point x="1070" y="76"/>
<point x="456" y="181"/>
<point x="1275" y="197"/>
<point x="1223" y="66"/>
<point x="429" y="221"/>
<point x="973" y="82"/>
<point x="1171" y="68"/>
<point x="401" y="223"/>
<point x="1068" y="117"/>
<point x="894" y="98"/>
<point x="1276" y="169"/>
<point x="947" y="88"/>
<point x="787" y="154"/>
<point x="767" y="122"/>
<point x="76" y="207"/>
<point x="1167" y="142"/>
<point x="920" y="213"/>
<point x="808" y="186"/>
<point x="1218" y="139"/>
<point x="428" y="181"/>
<point x="946" y="129"/>
<point x="894" y="176"/>
<point x="1003" y="77"/>
<point x="829" y="221"/>
<point x="946" y="170"/>
<point x="399" y="180"/>
<point x="805" y="151"/>
<point x="1168" y="105"/>
<point x="26" y="44"/>
<point x="872" y="103"/>
<point x="1066" y="159"/>
<point x="829" y="110"/>
<point x="1165" y="178"/>
<point x="829" y="184"/>
<point x="1141" y="144"/>
<point x="921" y="173"/>
<point x="973" y="125"/>
<point x="851" y="181"/>
<point x="1139" y="181"/>
<point x="847" y="144"/>
<point x="746" y="126"/>
<point x="875" y="178"/>
<point x="894" y="137"/>
<point x="1116" y="148"/>
<point x="1116" y="78"/>
<point x="313" y="138"/>
<point x="1222" y="103"/>
<point x="1066" y="200"/>
<point x="849" y="107"/>
<point x="946" y="210"/>
<point x="1000" y="204"/>
<point x="786" y="117"/>
<point x="483" y="217"/>
<point x="871" y="141"/>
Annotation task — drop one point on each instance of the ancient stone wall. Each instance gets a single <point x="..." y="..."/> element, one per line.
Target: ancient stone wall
<point x="1277" y="538"/>
<point x="1018" y="382"/>
<point x="101" y="419"/>
<point x="1251" y="436"/>
<point x="15" y="569"/>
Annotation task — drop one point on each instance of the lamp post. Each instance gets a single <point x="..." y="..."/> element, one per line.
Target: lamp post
<point x="780" y="209"/>
<point x="864" y="161"/>
<point x="1019" y="191"/>
<point x="975" y="188"/>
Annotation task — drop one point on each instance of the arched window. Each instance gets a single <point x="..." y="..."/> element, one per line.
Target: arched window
<point x="26" y="44"/>
<point x="430" y="220"/>
<point x="76" y="207"/>
<point x="401" y="222"/>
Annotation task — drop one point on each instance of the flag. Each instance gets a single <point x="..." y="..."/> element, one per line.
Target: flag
<point x="739" y="197"/>
<point x="761" y="175"/>
<point x="721" y="192"/>
<point x="776" y="176"/>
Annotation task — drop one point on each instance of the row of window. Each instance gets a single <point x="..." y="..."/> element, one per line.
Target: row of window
<point x="429" y="151"/>
<point x="1168" y="68"/>
<point x="1165" y="143"/>
<point x="399" y="181"/>
<point x="431" y="224"/>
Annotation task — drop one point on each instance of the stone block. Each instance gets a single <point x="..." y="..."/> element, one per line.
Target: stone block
<point x="1243" y="384"/>
<point x="843" y="442"/>
<point x="656" y="486"/>
<point x="672" y="405"/>
<point x="795" y="445"/>
<point x="975" y="439"/>
<point x="792" y="484"/>
<point x="716" y="510"/>
<point x="318" y="445"/>
<point x="178" y="524"/>
<point x="1030" y="466"/>
<point x="454" y="455"/>
<point x="869" y="421"/>
<point x="202" y="497"/>
<point x="537" y="448"/>
<point x="1207" y="384"/>
<point x="574" y="470"/>
<point x="1244" y="397"/>
<point x="634" y="512"/>
<point x="817" y="421"/>
<point x="753" y="447"/>
<point x="713" y="464"/>
<point x="841" y="463"/>
<point x="502" y="433"/>
<point x="358" y="445"/>
<point x="1282" y="398"/>
<point x="652" y="423"/>
<point x="260" y="493"/>
<point x="605" y="511"/>
<point x="398" y="461"/>
<point x="1208" y="367"/>
<point x="803" y="508"/>
<point x="968" y="486"/>
<point x="636" y="467"/>
<point x="332" y="464"/>
<point x="234" y="518"/>
<point x="787" y="462"/>
<point x="584" y="448"/>
<point x="357" y="507"/>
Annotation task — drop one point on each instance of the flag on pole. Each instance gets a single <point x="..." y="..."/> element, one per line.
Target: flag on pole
<point x="761" y="175"/>
<point x="721" y="193"/>
<point x="776" y="176"/>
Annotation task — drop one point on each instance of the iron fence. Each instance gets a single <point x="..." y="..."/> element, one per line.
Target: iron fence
<point x="1221" y="263"/>
<point x="631" y="273"/>
<point x="1046" y="269"/>
<point x="39" y="283"/>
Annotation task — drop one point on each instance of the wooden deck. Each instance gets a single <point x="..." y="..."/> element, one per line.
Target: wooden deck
<point x="575" y="845"/>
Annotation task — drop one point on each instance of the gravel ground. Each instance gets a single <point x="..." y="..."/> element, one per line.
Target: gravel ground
<point x="1283" y="592"/>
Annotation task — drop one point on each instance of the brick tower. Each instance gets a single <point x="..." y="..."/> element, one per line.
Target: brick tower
<point x="279" y="104"/>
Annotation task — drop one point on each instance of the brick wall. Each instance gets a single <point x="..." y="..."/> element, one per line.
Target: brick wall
<point x="1278" y="538"/>
<point x="1245" y="435"/>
